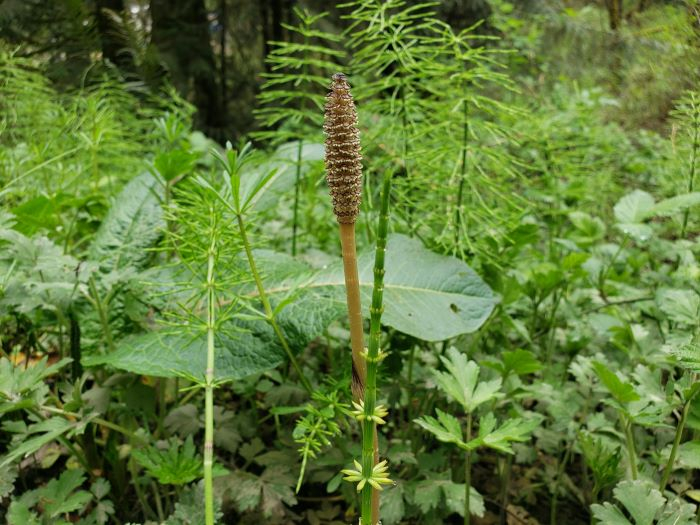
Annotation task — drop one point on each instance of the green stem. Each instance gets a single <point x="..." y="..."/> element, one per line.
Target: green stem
<point x="306" y="451"/>
<point x="631" y="451"/>
<point x="505" y="484"/>
<point x="404" y="153"/>
<point x="97" y="420"/>
<point x="269" y="314"/>
<point x="297" y="178"/>
<point x="77" y="453"/>
<point x="370" y="505"/>
<point x="468" y="474"/>
<point x="410" y="390"/>
<point x="463" y="169"/>
<point x="693" y="162"/>
<point x="147" y="509"/>
<point x="209" y="390"/>
<point x="555" y="492"/>
<point x="102" y="314"/>
<point x="676" y="444"/>
<point x="603" y="275"/>
<point x="159" y="503"/>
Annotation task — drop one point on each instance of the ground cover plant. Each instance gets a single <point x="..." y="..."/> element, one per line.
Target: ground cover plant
<point x="444" y="280"/>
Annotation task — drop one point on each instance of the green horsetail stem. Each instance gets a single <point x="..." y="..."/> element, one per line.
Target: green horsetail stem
<point x="208" y="462"/>
<point x="374" y="357"/>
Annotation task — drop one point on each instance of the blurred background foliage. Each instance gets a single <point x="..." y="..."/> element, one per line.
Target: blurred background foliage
<point x="643" y="53"/>
<point x="516" y="132"/>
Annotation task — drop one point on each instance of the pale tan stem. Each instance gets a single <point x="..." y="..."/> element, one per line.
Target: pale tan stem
<point x="359" y="367"/>
<point x="352" y="290"/>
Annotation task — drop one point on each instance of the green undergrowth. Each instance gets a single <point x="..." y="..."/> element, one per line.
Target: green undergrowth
<point x="539" y="332"/>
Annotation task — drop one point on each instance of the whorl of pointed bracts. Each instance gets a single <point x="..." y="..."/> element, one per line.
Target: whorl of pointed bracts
<point x="343" y="159"/>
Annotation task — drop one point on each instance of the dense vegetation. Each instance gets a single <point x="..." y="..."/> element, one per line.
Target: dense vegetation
<point x="174" y="336"/>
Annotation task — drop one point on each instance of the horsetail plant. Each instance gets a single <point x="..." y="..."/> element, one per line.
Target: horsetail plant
<point x="239" y="201"/>
<point x="344" y="175"/>
<point x="292" y="93"/>
<point x="210" y="382"/>
<point x="687" y="116"/>
<point x="202" y="272"/>
<point x="344" y="171"/>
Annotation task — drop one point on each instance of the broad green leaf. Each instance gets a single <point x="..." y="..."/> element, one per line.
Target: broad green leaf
<point x="283" y="164"/>
<point x="270" y="491"/>
<point x="653" y="407"/>
<point x="189" y="509"/>
<point x="173" y="465"/>
<point x="427" y="495"/>
<point x="638" y="232"/>
<point x="439" y="491"/>
<point x="622" y="392"/>
<point x="634" y="207"/>
<point x="44" y="212"/>
<point x="19" y="513"/>
<point x="675" y="204"/>
<point x="59" y="496"/>
<point x="688" y="356"/>
<point x="608" y="514"/>
<point x="520" y="362"/>
<point x="445" y="428"/>
<point x="588" y="229"/>
<point x="677" y="512"/>
<point x="133" y="225"/>
<point x="175" y="163"/>
<point x="426" y="295"/>
<point x="640" y="500"/>
<point x="8" y="475"/>
<point x="461" y="381"/>
<point x="36" y="274"/>
<point x="501" y="438"/>
<point x="47" y="431"/>
<point x="24" y="387"/>
<point x="455" y="497"/>
<point x="238" y="354"/>
<point x="679" y="305"/>
<point x="392" y="507"/>
<point x="689" y="455"/>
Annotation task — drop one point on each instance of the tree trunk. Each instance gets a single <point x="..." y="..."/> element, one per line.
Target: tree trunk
<point x="222" y="44"/>
<point x="181" y="35"/>
<point x="110" y="43"/>
<point x="614" y="8"/>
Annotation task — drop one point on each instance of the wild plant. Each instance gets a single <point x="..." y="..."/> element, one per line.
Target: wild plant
<point x="204" y="247"/>
<point x="87" y="144"/>
<point x="292" y="96"/>
<point x="239" y="197"/>
<point x="603" y="460"/>
<point x="687" y="116"/>
<point x="431" y="95"/>
<point x="344" y="171"/>
<point x="472" y="114"/>
<point x="461" y="384"/>
<point x="314" y="431"/>
<point x="391" y="60"/>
